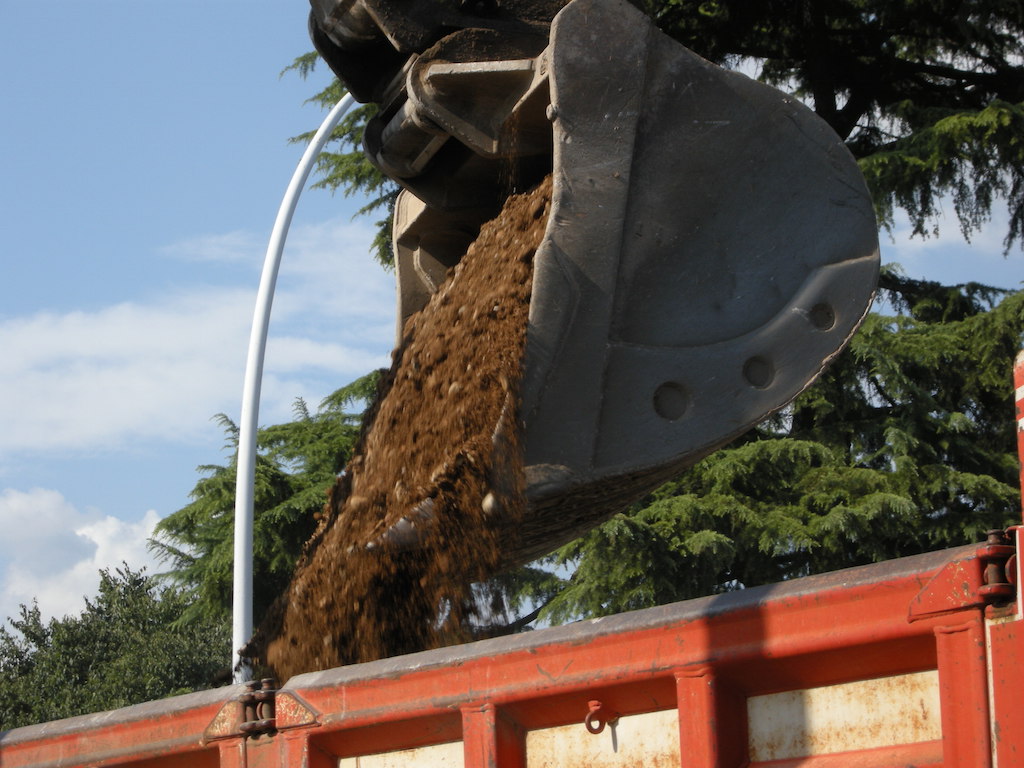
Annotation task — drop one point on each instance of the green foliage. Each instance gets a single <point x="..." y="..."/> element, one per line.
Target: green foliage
<point x="970" y="158"/>
<point x="296" y="463"/>
<point x="126" y="647"/>
<point x="905" y="445"/>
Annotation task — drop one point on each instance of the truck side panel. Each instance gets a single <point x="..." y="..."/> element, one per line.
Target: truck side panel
<point x="887" y="665"/>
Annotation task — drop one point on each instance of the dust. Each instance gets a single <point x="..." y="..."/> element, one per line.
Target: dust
<point x="440" y="457"/>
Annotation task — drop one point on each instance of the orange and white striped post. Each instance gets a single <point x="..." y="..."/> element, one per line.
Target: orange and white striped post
<point x="1018" y="530"/>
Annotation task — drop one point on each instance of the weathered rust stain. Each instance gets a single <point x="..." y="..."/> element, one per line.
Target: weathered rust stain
<point x="650" y="739"/>
<point x="882" y="712"/>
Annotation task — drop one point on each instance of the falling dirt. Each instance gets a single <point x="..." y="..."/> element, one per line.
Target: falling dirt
<point x="440" y="457"/>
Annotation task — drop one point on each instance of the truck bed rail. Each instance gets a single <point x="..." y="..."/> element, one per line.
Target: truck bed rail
<point x="899" y="663"/>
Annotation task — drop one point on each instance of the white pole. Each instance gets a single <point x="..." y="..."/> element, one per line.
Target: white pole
<point x="241" y="624"/>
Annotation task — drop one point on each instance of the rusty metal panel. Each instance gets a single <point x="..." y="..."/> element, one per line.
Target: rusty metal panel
<point x="899" y="709"/>
<point x="436" y="756"/>
<point x="650" y="740"/>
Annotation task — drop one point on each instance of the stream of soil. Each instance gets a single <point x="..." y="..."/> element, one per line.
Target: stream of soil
<point x="409" y="529"/>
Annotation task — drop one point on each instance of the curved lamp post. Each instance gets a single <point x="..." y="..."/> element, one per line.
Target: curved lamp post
<point x="241" y="624"/>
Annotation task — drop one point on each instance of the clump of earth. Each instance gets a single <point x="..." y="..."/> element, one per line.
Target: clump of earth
<point x="413" y="524"/>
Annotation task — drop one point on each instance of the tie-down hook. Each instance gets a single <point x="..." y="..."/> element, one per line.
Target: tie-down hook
<point x="599" y="716"/>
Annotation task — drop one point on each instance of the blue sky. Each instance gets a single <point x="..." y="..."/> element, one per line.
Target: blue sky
<point x="143" y="150"/>
<point x="144" y="153"/>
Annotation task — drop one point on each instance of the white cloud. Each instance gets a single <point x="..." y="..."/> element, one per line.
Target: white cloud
<point x="226" y="247"/>
<point x="52" y="552"/>
<point x="327" y="271"/>
<point x="951" y="259"/>
<point x="160" y="370"/>
<point x="154" y="372"/>
<point x="96" y="379"/>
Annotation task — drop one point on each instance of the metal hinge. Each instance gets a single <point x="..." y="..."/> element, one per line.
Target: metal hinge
<point x="261" y="710"/>
<point x="999" y="556"/>
<point x="985" y="577"/>
<point x="258" y="708"/>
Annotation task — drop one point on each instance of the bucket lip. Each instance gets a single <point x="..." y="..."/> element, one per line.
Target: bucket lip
<point x="630" y="225"/>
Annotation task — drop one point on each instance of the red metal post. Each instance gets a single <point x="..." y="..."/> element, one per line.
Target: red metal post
<point x="1006" y="638"/>
<point x="963" y="690"/>
<point x="491" y="739"/>
<point x="298" y="748"/>
<point x="712" y="720"/>
<point x="232" y="753"/>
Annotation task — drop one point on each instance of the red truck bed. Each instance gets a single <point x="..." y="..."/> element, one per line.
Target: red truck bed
<point x="896" y="664"/>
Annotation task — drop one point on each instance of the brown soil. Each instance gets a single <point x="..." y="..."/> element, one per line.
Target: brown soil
<point x="440" y="449"/>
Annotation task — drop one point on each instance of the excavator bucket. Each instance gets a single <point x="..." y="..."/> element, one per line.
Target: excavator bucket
<point x="711" y="243"/>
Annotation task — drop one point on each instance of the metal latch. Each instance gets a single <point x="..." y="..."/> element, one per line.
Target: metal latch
<point x="258" y="707"/>
<point x="260" y="710"/>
